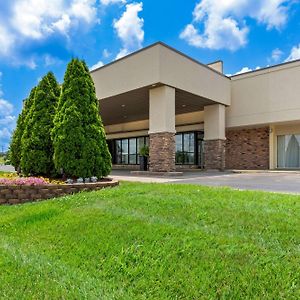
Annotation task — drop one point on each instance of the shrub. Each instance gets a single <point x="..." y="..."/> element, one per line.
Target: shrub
<point x="144" y="151"/>
<point x="80" y="148"/>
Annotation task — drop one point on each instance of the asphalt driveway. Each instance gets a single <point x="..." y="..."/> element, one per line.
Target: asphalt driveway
<point x="285" y="182"/>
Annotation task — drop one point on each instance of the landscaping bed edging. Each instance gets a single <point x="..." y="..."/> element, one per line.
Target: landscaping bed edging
<point x="16" y="194"/>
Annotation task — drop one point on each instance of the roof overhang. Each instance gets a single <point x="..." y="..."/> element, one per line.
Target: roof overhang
<point x="126" y="82"/>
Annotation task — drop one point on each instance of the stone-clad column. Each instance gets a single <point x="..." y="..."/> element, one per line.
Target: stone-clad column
<point x="214" y="137"/>
<point x="162" y="129"/>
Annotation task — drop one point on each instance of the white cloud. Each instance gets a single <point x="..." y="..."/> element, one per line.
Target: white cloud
<point x="50" y="60"/>
<point x="243" y="70"/>
<point x="35" y="18"/>
<point x="38" y="18"/>
<point x="5" y="134"/>
<point x="295" y="53"/>
<point x="192" y="36"/>
<point x="106" y="53"/>
<point x="30" y="63"/>
<point x="224" y="22"/>
<point x="6" y="108"/>
<point x="123" y="52"/>
<point x="63" y="24"/>
<point x="1" y="92"/>
<point x="276" y="55"/>
<point x="84" y="9"/>
<point x="28" y="20"/>
<point x="6" y="41"/>
<point x="222" y="33"/>
<point x="108" y="2"/>
<point x="129" y="29"/>
<point x="97" y="65"/>
<point x="7" y="120"/>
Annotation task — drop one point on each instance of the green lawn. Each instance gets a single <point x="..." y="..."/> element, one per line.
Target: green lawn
<point x="152" y="241"/>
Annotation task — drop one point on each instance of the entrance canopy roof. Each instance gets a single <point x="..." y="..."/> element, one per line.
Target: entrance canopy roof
<point x="123" y="85"/>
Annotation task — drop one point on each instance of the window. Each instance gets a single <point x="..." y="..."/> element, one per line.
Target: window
<point x="118" y="152"/>
<point x="288" y="151"/>
<point x="132" y="152"/>
<point x="185" y="148"/>
<point x="126" y="151"/>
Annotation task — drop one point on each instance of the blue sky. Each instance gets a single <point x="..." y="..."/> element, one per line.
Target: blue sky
<point x="41" y="35"/>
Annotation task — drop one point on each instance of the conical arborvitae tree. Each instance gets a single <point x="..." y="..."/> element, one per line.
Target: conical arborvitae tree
<point x="15" y="144"/>
<point x="54" y="84"/>
<point x="37" y="148"/>
<point x="80" y="148"/>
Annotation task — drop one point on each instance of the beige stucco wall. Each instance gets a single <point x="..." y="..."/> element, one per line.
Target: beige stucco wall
<point x="218" y="66"/>
<point x="265" y="97"/>
<point x="183" y="73"/>
<point x="190" y="118"/>
<point x="159" y="64"/>
<point x="280" y="129"/>
<point x="162" y="109"/>
<point x="214" y="122"/>
<point x="114" y="79"/>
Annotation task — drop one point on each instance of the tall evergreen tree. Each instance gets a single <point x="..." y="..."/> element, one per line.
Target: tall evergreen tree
<point x="15" y="144"/>
<point x="79" y="141"/>
<point x="37" y="149"/>
<point x="54" y="84"/>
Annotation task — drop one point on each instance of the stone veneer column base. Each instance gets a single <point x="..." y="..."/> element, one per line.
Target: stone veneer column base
<point x="162" y="152"/>
<point x="214" y="154"/>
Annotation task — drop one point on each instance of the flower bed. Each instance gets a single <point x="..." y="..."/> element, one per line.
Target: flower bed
<point x="14" y="179"/>
<point x="21" y="190"/>
<point x="23" y="181"/>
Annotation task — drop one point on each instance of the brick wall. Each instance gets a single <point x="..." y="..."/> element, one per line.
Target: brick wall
<point x="20" y="194"/>
<point x="247" y="149"/>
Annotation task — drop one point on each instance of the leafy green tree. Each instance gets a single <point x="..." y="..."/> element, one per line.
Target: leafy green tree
<point x="37" y="148"/>
<point x="80" y="148"/>
<point x="15" y="144"/>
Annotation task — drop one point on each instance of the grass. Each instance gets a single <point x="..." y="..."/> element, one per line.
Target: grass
<point x="152" y="241"/>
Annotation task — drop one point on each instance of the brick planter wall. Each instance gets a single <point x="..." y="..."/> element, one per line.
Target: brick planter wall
<point x="14" y="194"/>
<point x="214" y="154"/>
<point x="162" y="152"/>
<point x="247" y="149"/>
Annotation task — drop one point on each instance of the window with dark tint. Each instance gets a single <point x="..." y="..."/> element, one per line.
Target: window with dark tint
<point x="185" y="148"/>
<point x="126" y="151"/>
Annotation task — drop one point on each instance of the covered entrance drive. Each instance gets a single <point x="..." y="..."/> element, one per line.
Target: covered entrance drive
<point x="160" y="97"/>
